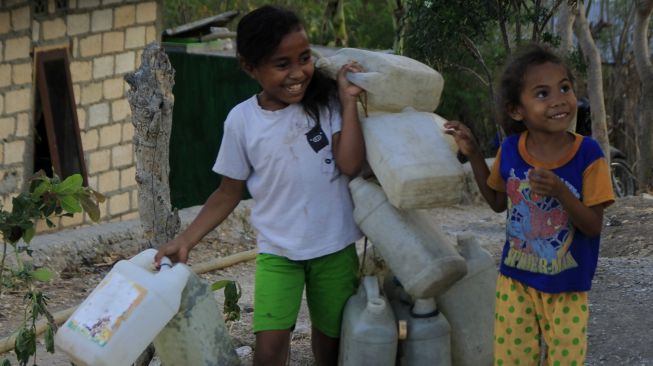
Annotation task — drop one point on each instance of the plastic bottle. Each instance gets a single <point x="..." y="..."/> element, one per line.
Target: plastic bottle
<point x="414" y="249"/>
<point x="369" y="331"/>
<point x="392" y="82"/>
<point x="427" y="339"/>
<point x="414" y="161"/>
<point x="469" y="307"/>
<point x="124" y="312"/>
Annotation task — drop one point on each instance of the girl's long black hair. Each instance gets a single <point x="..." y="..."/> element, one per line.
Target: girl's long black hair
<point x="260" y="32"/>
<point x="511" y="82"/>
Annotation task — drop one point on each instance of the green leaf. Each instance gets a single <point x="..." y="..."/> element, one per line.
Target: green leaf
<point x="99" y="197"/>
<point x="29" y="234"/>
<point x="219" y="284"/>
<point x="70" y="185"/>
<point x="40" y="189"/>
<point x="90" y="207"/>
<point x="49" y="339"/>
<point x="231" y="295"/>
<point x="70" y="204"/>
<point x="42" y="275"/>
<point x="232" y="292"/>
<point x="25" y="345"/>
<point x="6" y="362"/>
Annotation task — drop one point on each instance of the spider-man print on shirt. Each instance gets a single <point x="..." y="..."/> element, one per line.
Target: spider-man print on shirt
<point x="538" y="229"/>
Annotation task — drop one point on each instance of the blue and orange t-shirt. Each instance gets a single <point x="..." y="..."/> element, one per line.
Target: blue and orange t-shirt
<point x="543" y="249"/>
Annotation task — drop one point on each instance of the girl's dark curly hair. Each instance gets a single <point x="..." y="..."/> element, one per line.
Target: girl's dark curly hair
<point x="259" y="34"/>
<point x="511" y="83"/>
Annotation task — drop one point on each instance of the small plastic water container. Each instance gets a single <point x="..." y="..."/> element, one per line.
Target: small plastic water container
<point x="427" y="339"/>
<point x="124" y="313"/>
<point x="469" y="307"/>
<point x="392" y="82"/>
<point x="414" y="249"/>
<point x="369" y="331"/>
<point x="414" y="161"/>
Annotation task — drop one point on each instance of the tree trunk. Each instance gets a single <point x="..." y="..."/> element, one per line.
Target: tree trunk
<point x="151" y="100"/>
<point x="399" y="23"/>
<point x="594" y="79"/>
<point x="645" y="71"/>
<point x="334" y="20"/>
<point x="564" y="28"/>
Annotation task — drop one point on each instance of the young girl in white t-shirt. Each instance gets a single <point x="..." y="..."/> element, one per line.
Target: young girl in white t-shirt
<point x="295" y="144"/>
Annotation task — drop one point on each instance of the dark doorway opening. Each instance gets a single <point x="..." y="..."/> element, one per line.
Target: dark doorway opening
<point x="57" y="142"/>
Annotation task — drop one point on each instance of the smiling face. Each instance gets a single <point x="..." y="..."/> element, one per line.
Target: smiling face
<point x="286" y="73"/>
<point x="547" y="100"/>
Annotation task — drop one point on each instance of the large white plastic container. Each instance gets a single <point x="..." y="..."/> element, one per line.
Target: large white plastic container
<point x="427" y="339"/>
<point x="369" y="330"/>
<point x="392" y="82"/>
<point x="414" y="161"/>
<point x="414" y="250"/>
<point x="469" y="307"/>
<point x="124" y="312"/>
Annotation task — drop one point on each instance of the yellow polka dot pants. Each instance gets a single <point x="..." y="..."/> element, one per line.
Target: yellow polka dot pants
<point x="525" y="315"/>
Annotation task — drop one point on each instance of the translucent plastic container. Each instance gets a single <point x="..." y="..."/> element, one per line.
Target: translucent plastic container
<point x="124" y="313"/>
<point x="392" y="82"/>
<point x="469" y="307"/>
<point x="369" y="330"/>
<point x="196" y="335"/>
<point x="427" y="339"/>
<point x="414" y="161"/>
<point x="416" y="252"/>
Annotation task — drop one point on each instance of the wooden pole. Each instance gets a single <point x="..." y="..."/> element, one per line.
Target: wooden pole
<point x="151" y="100"/>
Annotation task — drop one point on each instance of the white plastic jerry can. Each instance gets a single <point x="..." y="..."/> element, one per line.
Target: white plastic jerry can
<point x="392" y="82"/>
<point x="413" y="159"/>
<point x="415" y="250"/>
<point x="124" y="313"/>
<point x="427" y="340"/>
<point x="469" y="306"/>
<point x="369" y="330"/>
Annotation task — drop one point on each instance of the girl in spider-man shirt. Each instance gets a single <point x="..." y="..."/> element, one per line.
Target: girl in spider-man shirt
<point x="554" y="185"/>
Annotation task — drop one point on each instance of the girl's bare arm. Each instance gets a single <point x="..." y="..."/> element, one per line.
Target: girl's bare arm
<point x="589" y="220"/>
<point x="468" y="147"/>
<point x="497" y="200"/>
<point x="216" y="208"/>
<point x="348" y="144"/>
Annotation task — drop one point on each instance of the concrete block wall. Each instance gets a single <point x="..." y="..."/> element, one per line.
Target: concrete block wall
<point x="105" y="39"/>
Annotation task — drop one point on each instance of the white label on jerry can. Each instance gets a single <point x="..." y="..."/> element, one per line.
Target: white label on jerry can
<point x="112" y="303"/>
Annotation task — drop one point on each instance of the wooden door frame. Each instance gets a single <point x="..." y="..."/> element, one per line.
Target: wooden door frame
<point x="41" y="57"/>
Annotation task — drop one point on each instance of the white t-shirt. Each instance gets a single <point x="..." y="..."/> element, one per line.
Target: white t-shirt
<point x="303" y="207"/>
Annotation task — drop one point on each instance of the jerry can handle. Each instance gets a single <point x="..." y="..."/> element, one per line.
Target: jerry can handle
<point x="371" y="286"/>
<point x="468" y="246"/>
<point x="375" y="303"/>
<point x="165" y="262"/>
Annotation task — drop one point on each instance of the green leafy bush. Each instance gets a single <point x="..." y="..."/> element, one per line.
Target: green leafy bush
<point x="47" y="198"/>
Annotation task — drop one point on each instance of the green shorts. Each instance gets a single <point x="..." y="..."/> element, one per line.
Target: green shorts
<point x="330" y="281"/>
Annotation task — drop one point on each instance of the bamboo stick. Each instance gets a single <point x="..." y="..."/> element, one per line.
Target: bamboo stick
<point x="7" y="344"/>
<point x="224" y="262"/>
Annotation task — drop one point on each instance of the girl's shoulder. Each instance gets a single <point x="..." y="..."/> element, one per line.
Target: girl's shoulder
<point x="247" y="104"/>
<point x="590" y="148"/>
<point x="240" y="113"/>
<point x="511" y="141"/>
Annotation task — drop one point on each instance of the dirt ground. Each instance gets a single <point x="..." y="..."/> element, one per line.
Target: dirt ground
<point x="620" y="301"/>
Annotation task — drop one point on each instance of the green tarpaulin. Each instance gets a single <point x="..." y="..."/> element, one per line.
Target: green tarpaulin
<point x="206" y="88"/>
